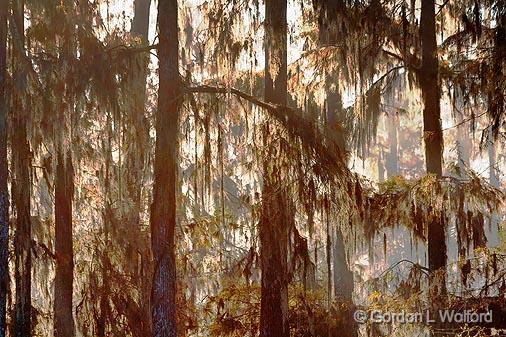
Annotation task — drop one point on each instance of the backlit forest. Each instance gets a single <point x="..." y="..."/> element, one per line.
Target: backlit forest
<point x="248" y="168"/>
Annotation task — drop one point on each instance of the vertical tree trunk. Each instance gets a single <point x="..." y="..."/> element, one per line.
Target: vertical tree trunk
<point x="433" y="137"/>
<point x="138" y="135"/>
<point x="140" y="22"/>
<point x="492" y="170"/>
<point x="4" y="172"/>
<point x="21" y="187"/>
<point x="64" y="195"/>
<point x="492" y="231"/>
<point x="274" y="224"/>
<point x="63" y="284"/>
<point x="342" y="277"/>
<point x="163" y="208"/>
<point x="392" y="157"/>
<point x="463" y="141"/>
<point x="275" y="215"/>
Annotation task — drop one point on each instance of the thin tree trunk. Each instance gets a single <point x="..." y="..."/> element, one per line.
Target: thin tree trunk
<point x="381" y="166"/>
<point x="492" y="165"/>
<point x="275" y="214"/>
<point x="342" y="276"/>
<point x="21" y="188"/>
<point x="4" y="172"/>
<point x="163" y="208"/>
<point x="433" y="137"/>
<point x="392" y="157"/>
<point x="137" y="132"/>
<point x="463" y="140"/>
<point x="137" y="139"/>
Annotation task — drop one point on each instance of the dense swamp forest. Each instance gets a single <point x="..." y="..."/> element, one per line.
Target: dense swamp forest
<point x="248" y="168"/>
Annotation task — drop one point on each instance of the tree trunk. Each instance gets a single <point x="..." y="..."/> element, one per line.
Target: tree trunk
<point x="275" y="215"/>
<point x="463" y="140"/>
<point x="392" y="157"/>
<point x="64" y="195"/>
<point x="492" y="231"/>
<point x="381" y="166"/>
<point x="21" y="188"/>
<point x="492" y="168"/>
<point x="4" y="172"/>
<point x="138" y="135"/>
<point x="163" y="208"/>
<point x="433" y="137"/>
<point x="63" y="284"/>
<point x="343" y="276"/>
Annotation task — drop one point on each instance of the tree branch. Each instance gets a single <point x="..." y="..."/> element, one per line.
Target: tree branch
<point x="320" y="139"/>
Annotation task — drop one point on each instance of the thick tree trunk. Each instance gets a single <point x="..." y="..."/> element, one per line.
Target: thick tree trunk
<point x="140" y="22"/>
<point x="275" y="217"/>
<point x="21" y="189"/>
<point x="63" y="284"/>
<point x="274" y="227"/>
<point x="433" y="137"/>
<point x="4" y="172"/>
<point x="64" y="195"/>
<point x="163" y="208"/>
<point x="22" y="236"/>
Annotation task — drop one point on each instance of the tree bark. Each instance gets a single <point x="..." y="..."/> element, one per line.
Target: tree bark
<point x="64" y="194"/>
<point x="163" y="208"/>
<point x="63" y="284"/>
<point x="4" y="172"/>
<point x="137" y="136"/>
<point x="275" y="215"/>
<point x="21" y="186"/>
<point x="433" y="138"/>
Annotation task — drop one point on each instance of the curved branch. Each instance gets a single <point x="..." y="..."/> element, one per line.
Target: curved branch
<point x="320" y="139"/>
